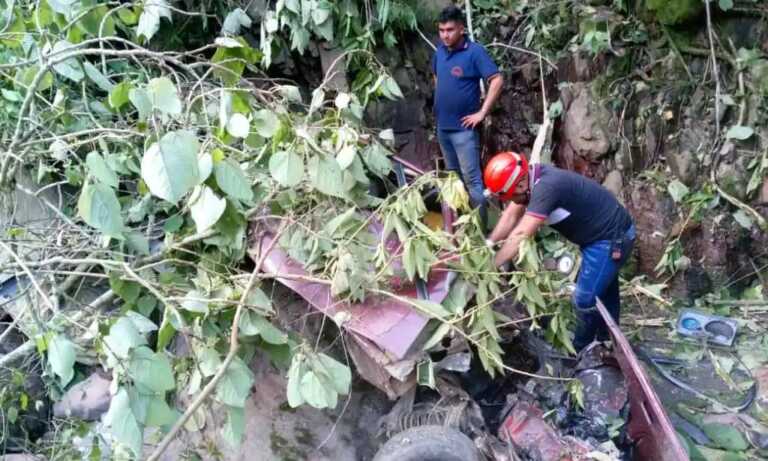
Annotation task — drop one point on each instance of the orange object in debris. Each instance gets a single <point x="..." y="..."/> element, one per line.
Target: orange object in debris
<point x="433" y="220"/>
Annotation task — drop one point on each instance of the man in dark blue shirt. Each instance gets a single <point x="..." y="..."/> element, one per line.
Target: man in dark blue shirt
<point x="582" y="211"/>
<point x="458" y="65"/>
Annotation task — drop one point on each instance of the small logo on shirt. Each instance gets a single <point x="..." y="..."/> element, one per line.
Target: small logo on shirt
<point x="457" y="71"/>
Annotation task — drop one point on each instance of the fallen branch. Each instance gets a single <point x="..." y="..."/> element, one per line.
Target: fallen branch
<point x="234" y="345"/>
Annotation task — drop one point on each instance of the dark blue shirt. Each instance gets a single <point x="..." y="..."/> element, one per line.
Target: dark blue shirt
<point x="458" y="74"/>
<point x="580" y="209"/>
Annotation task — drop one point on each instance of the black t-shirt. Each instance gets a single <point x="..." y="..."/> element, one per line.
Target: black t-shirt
<point x="579" y="208"/>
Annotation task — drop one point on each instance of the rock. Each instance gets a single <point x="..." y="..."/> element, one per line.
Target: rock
<point x="614" y="183"/>
<point x="684" y="165"/>
<point x="328" y="56"/>
<point x="86" y="400"/>
<point x="654" y="214"/>
<point x="584" y="130"/>
<point x="733" y="177"/>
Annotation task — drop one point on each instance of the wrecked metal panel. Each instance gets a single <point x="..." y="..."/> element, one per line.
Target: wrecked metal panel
<point x="649" y="425"/>
<point x="527" y="430"/>
<point x="369" y="363"/>
<point x="390" y="324"/>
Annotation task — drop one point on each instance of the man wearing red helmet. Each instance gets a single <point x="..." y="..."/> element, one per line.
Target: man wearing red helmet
<point x="459" y="65"/>
<point x="582" y="211"/>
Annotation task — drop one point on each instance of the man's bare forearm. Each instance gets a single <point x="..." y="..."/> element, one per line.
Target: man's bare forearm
<point x="509" y="218"/>
<point x="494" y="91"/>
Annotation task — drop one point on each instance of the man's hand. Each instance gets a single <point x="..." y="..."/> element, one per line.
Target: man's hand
<point x="472" y="120"/>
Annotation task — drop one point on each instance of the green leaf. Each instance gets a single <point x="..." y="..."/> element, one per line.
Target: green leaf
<point x="122" y="423"/>
<point x="339" y="374"/>
<point x="391" y="89"/>
<point x="437" y="336"/>
<point x="293" y="390"/>
<point x="325" y="175"/>
<point x="375" y="157"/>
<point x="677" y="190"/>
<point x="169" y="167"/>
<point x="143" y="325"/>
<point x="725" y="436"/>
<point x="287" y="168"/>
<point x="725" y="5"/>
<point x="238" y="126"/>
<point x="163" y="95"/>
<point x="252" y="324"/>
<point x="313" y="391"/>
<point x="137" y="242"/>
<point x="61" y="358"/>
<point x="209" y="361"/>
<point x="150" y="409"/>
<point x="122" y="337"/>
<point x="69" y="68"/>
<point x="207" y="209"/>
<point x="431" y="308"/>
<point x="739" y="132"/>
<point x="141" y="101"/>
<point x="346" y="156"/>
<point x="266" y="123"/>
<point x="458" y="296"/>
<point x="99" y="208"/>
<point x="257" y="298"/>
<point x="235" y="386"/>
<point x="233" y="429"/>
<point x="290" y="92"/>
<point x="232" y="180"/>
<point x="743" y="219"/>
<point x="98" y="78"/>
<point x="149" y="21"/>
<point x="151" y="370"/>
<point x="236" y="19"/>
<point x="99" y="169"/>
<point x="195" y="301"/>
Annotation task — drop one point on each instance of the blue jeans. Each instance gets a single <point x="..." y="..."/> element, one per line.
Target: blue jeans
<point x="598" y="277"/>
<point x="461" y="151"/>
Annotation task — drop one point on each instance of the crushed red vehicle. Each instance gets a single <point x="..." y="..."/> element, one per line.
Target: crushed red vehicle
<point x="387" y="333"/>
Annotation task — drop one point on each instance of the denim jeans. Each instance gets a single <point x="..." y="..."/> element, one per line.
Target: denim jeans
<point x="461" y="151"/>
<point x="598" y="277"/>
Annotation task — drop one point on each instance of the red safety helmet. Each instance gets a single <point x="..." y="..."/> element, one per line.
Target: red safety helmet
<point x="502" y="174"/>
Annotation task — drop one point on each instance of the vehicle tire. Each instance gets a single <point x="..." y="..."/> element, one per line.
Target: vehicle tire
<point x="428" y="443"/>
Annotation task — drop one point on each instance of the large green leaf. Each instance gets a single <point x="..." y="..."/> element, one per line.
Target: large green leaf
<point x="252" y="324"/>
<point x="724" y="436"/>
<point x="340" y="375"/>
<point x="122" y="423"/>
<point x="233" y="429"/>
<point x="151" y="370"/>
<point x="207" y="209"/>
<point x="235" y="386"/>
<point x="326" y="176"/>
<point x="295" y="372"/>
<point x="169" y="167"/>
<point x="163" y="95"/>
<point x="68" y="68"/>
<point x="236" y="19"/>
<point x="232" y="180"/>
<point x="313" y="390"/>
<point x="141" y="101"/>
<point x="266" y="123"/>
<point x="99" y="169"/>
<point x="150" y="409"/>
<point x="61" y="358"/>
<point x="122" y="337"/>
<point x="149" y="21"/>
<point x="98" y="206"/>
<point x="286" y="167"/>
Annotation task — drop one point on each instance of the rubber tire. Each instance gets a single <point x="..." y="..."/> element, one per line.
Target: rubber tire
<point x="428" y="443"/>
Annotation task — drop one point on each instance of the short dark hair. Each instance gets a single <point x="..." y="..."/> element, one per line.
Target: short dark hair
<point x="451" y="13"/>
